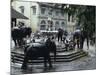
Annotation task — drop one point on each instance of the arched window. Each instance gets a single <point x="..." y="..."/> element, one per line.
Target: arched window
<point x="63" y="23"/>
<point x="43" y="25"/>
<point x="43" y="22"/>
<point x="56" y="25"/>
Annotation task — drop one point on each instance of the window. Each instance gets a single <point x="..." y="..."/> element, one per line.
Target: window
<point x="50" y="12"/>
<point x="34" y="9"/>
<point x="42" y="27"/>
<point x="43" y="10"/>
<point x="62" y="23"/>
<point x="43" y="22"/>
<point x="62" y="13"/>
<point x="56" y="25"/>
<point x="57" y="13"/>
<point x="22" y="9"/>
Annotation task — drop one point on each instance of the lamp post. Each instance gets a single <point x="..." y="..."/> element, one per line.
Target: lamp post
<point x="49" y="23"/>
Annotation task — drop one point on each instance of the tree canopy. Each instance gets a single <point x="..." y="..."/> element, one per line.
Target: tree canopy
<point x="86" y="16"/>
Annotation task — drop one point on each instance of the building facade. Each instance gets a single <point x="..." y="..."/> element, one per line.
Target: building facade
<point x="44" y="16"/>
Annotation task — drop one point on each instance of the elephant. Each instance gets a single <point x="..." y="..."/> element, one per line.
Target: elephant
<point x="43" y="50"/>
<point x="19" y="33"/>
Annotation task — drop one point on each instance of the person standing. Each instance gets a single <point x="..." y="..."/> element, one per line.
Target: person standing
<point x="76" y="38"/>
<point x="82" y="39"/>
<point x="60" y="34"/>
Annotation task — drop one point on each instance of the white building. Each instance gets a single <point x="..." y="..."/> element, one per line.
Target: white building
<point x="44" y="16"/>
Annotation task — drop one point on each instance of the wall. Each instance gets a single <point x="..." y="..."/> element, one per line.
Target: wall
<point x="34" y="20"/>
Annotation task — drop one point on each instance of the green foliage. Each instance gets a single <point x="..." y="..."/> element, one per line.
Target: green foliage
<point x="86" y="16"/>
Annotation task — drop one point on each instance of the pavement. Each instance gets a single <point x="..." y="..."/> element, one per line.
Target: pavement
<point x="84" y="63"/>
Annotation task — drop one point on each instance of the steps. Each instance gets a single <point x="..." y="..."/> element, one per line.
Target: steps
<point x="18" y="57"/>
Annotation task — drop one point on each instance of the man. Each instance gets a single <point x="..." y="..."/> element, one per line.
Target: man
<point x="76" y="38"/>
<point x="60" y="34"/>
<point x="82" y="39"/>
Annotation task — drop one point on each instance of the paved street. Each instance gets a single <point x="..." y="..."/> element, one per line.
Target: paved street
<point x="84" y="63"/>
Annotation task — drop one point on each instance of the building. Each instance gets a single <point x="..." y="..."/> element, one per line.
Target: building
<point x="44" y="16"/>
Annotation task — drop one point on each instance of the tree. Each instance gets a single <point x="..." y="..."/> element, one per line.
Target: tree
<point x="86" y="16"/>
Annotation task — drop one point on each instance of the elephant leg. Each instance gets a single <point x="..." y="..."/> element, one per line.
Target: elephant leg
<point x="21" y="41"/>
<point x="15" y="42"/>
<point x="24" y="65"/>
<point x="18" y="42"/>
<point x="45" y="62"/>
<point x="49" y="60"/>
<point x="61" y="38"/>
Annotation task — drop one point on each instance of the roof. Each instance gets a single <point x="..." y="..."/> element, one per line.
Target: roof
<point x="16" y="14"/>
<point x="51" y="5"/>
